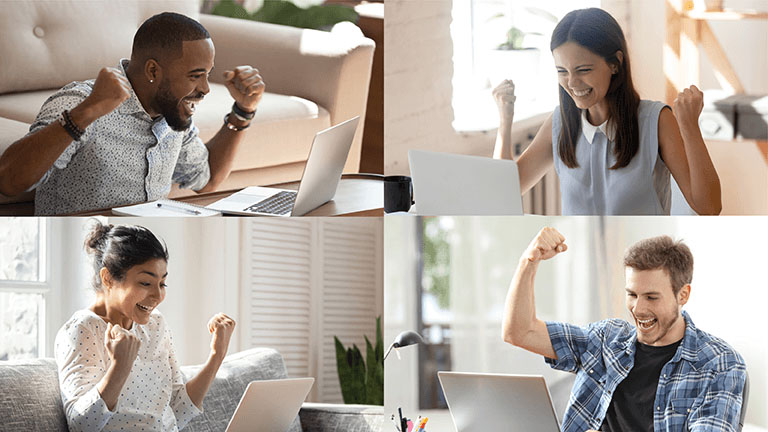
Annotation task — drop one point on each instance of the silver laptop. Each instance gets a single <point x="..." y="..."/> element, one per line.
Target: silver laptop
<point x="498" y="403"/>
<point x="450" y="184"/>
<point x="270" y="405"/>
<point x="321" y="176"/>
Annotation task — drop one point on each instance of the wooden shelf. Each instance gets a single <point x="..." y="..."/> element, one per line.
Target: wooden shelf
<point x="725" y="15"/>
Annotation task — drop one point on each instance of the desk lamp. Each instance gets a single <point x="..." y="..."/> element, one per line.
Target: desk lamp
<point x="405" y="339"/>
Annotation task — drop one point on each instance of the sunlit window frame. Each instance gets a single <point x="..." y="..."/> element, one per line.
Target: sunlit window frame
<point x="42" y="287"/>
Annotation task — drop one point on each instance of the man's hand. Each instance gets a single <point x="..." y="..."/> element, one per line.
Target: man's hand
<point x="246" y="87"/>
<point x="122" y="346"/>
<point x="687" y="107"/>
<point x="221" y="327"/>
<point x="109" y="91"/>
<point x="547" y="244"/>
<point x="504" y="95"/>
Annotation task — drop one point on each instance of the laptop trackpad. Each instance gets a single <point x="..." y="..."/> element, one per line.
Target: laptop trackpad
<point x="239" y="201"/>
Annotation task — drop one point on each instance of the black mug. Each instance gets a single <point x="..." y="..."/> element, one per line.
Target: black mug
<point x="398" y="194"/>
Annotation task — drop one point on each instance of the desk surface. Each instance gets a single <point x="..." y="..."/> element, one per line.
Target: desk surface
<point x="357" y="195"/>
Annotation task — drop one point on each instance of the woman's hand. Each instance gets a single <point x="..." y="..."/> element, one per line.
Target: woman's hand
<point x="684" y="152"/>
<point x="221" y="327"/>
<point x="504" y="95"/>
<point x="122" y="346"/>
<point x="687" y="107"/>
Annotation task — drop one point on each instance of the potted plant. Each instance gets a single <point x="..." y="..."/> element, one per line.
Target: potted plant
<point x="362" y="382"/>
<point x="516" y="57"/>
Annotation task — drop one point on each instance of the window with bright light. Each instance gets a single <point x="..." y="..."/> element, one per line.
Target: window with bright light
<point x="494" y="40"/>
<point x="23" y="287"/>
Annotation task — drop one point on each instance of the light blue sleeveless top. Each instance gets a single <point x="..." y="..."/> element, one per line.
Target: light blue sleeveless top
<point x="640" y="188"/>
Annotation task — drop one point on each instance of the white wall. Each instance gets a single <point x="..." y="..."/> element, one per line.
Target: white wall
<point x="418" y="69"/>
<point x="401" y="257"/>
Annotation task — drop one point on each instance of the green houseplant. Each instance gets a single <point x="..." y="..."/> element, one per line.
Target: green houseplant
<point x="362" y="382"/>
<point x="286" y="12"/>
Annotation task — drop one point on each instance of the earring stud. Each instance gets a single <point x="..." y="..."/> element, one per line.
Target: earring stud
<point x="151" y="81"/>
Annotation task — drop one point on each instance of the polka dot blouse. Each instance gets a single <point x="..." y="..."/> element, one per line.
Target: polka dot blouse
<point x="124" y="157"/>
<point x="154" y="397"/>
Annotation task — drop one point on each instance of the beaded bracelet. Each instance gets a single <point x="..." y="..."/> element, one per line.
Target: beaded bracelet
<point x="66" y="122"/>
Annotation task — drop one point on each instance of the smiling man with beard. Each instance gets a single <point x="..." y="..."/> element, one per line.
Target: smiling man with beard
<point x="128" y="135"/>
<point x="660" y="373"/>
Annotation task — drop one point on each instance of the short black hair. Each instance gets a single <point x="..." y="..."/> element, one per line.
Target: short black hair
<point x="161" y="36"/>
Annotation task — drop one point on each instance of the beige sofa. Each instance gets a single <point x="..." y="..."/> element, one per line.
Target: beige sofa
<point x="314" y="79"/>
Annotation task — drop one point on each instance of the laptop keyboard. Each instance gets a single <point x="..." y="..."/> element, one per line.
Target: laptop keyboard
<point x="278" y="204"/>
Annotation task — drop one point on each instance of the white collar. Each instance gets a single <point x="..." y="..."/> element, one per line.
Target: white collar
<point x="589" y="130"/>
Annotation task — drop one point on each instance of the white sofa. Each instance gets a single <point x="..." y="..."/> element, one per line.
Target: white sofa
<point x="314" y="79"/>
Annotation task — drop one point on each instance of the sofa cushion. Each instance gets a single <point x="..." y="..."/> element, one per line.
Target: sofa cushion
<point x="229" y="385"/>
<point x="281" y="133"/>
<point x="31" y="400"/>
<point x="53" y="43"/>
<point x="333" y="417"/>
<point x="285" y="125"/>
<point x="10" y="131"/>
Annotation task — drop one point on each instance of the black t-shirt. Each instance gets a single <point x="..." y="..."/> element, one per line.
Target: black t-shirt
<point x="631" y="407"/>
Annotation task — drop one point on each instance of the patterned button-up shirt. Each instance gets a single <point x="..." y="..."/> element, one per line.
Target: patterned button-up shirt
<point x="700" y="389"/>
<point x="123" y="157"/>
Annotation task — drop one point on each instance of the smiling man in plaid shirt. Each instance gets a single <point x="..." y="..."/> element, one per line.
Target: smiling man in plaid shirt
<point x="660" y="374"/>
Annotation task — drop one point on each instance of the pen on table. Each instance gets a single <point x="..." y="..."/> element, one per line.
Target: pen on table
<point x="190" y="211"/>
<point x="395" y="423"/>
<point x="423" y="423"/>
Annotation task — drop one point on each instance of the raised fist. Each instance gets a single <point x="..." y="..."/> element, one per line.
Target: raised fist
<point x="109" y="91"/>
<point x="245" y="86"/>
<point x="221" y="327"/>
<point x="504" y="95"/>
<point x="548" y="243"/>
<point x="122" y="346"/>
<point x="688" y="105"/>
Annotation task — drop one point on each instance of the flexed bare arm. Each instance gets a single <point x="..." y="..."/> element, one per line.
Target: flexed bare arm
<point x="521" y="327"/>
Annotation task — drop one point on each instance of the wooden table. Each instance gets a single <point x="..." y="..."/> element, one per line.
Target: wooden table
<point x="357" y="195"/>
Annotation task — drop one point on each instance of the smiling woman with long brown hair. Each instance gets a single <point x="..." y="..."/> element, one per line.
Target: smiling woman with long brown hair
<point x="612" y="151"/>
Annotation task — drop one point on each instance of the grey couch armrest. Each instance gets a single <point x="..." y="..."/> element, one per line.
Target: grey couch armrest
<point x="318" y="417"/>
<point x="332" y="70"/>
<point x="30" y="399"/>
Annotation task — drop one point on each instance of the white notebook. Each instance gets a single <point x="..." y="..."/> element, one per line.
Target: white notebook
<point x="165" y="208"/>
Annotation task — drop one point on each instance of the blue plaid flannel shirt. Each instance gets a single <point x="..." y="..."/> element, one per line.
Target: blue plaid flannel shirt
<point x="699" y="390"/>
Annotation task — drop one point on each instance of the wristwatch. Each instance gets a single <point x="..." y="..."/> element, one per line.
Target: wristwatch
<point x="230" y="126"/>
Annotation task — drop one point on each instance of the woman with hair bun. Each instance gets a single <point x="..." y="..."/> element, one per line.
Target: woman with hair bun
<point x="117" y="365"/>
<point x="612" y="151"/>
